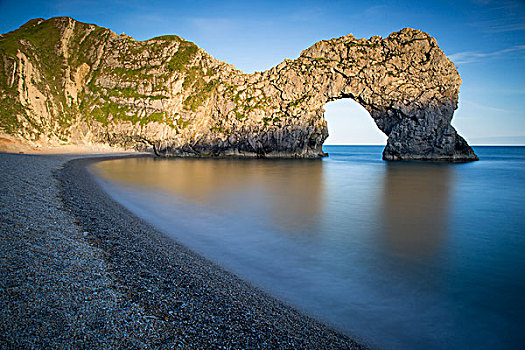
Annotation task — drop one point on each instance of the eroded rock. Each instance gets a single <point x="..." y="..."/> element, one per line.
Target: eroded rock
<point x="86" y="84"/>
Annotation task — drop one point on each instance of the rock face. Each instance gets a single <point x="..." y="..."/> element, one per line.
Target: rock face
<point x="63" y="81"/>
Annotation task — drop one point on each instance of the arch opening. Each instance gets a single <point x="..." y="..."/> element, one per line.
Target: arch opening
<point x="349" y="123"/>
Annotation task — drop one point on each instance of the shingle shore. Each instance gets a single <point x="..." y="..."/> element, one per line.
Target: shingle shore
<point x="78" y="270"/>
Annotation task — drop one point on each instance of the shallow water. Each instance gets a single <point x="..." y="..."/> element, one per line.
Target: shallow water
<point x="398" y="254"/>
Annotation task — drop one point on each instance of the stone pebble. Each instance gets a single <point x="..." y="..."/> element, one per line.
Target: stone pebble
<point x="78" y="270"/>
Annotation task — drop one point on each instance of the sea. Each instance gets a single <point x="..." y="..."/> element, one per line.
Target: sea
<point x="398" y="255"/>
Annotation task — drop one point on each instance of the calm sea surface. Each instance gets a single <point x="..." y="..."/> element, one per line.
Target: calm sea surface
<point x="402" y="255"/>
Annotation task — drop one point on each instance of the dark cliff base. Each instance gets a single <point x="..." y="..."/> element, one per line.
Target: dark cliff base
<point x="186" y="301"/>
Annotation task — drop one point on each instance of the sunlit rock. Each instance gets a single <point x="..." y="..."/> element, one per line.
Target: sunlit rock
<point x="63" y="82"/>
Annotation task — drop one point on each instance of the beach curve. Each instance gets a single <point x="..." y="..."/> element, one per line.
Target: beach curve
<point x="122" y="282"/>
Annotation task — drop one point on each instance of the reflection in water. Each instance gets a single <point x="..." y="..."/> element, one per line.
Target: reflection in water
<point x="445" y="267"/>
<point x="289" y="192"/>
<point x="415" y="208"/>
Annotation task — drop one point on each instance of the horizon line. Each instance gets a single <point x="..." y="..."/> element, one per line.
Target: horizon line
<point x="475" y="145"/>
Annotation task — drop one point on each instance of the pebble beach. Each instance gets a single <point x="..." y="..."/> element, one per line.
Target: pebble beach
<point x="78" y="270"/>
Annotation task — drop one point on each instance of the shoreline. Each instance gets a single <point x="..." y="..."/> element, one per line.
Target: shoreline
<point x="158" y="293"/>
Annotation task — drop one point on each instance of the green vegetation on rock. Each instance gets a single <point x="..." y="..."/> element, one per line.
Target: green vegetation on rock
<point x="184" y="55"/>
<point x="59" y="75"/>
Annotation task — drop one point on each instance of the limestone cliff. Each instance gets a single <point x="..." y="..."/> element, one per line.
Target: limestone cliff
<point x="63" y="81"/>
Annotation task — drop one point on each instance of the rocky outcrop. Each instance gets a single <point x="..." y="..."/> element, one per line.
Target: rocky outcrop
<point x="63" y="81"/>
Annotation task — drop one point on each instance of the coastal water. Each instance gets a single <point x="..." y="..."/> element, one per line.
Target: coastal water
<point x="402" y="255"/>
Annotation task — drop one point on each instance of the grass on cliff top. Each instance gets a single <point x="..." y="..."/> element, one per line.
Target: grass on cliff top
<point x="80" y="44"/>
<point x="43" y="36"/>
<point x="167" y="37"/>
<point x="184" y="55"/>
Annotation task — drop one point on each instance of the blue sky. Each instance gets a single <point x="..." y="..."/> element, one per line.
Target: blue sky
<point x="484" y="38"/>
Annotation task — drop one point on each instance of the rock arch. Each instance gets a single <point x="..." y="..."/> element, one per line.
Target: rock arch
<point x="404" y="81"/>
<point x="168" y="95"/>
